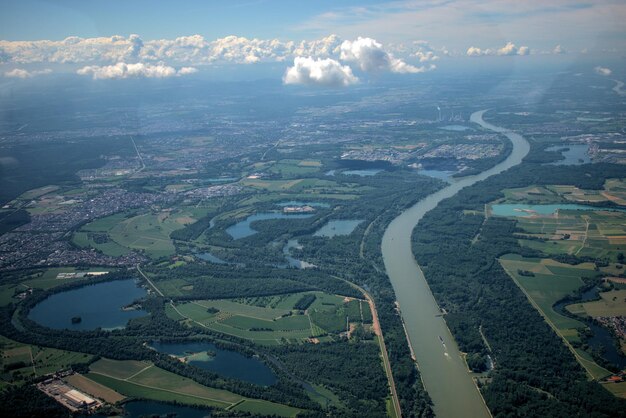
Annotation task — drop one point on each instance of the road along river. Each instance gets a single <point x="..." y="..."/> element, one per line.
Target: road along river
<point x="443" y="370"/>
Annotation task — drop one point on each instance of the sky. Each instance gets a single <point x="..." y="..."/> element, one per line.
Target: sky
<point x="320" y="42"/>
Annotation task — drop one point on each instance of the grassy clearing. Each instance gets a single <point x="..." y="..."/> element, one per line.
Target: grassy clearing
<point x="118" y="369"/>
<point x="611" y="303"/>
<point x="150" y="232"/>
<point x="35" y="360"/>
<point x="272" y="320"/>
<point x="144" y="380"/>
<point x="618" y="389"/>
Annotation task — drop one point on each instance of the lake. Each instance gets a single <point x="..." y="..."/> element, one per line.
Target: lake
<point x="363" y="173"/>
<point x="243" y="229"/>
<point x="338" y="227"/>
<point x="521" y="210"/>
<point x="98" y="306"/>
<point x="574" y="154"/>
<point x="294" y="262"/>
<point x="225" y="363"/>
<point x="139" y="409"/>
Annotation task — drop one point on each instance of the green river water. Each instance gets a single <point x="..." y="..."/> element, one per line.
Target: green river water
<point x="443" y="370"/>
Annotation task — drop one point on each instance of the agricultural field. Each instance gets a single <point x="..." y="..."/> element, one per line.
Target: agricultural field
<point x="597" y="233"/>
<point x="94" y="389"/>
<point x="612" y="303"/>
<point x="275" y="319"/>
<point x="545" y="281"/>
<point x="23" y="361"/>
<point x="146" y="381"/>
<point x="293" y="168"/>
<point x="117" y="234"/>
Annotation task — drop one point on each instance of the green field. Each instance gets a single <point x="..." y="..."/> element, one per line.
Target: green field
<point x="271" y="320"/>
<point x="117" y="234"/>
<point x="551" y="282"/>
<point x="38" y="361"/>
<point x="144" y="380"/>
<point x="612" y="303"/>
<point x="597" y="234"/>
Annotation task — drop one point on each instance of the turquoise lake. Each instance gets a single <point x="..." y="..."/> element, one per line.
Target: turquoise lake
<point x="99" y="306"/>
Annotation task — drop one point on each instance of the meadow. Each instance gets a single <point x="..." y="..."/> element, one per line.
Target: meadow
<point x="273" y="320"/>
<point x="144" y="380"/>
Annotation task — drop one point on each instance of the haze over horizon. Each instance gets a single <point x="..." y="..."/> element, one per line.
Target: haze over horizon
<point x="315" y="44"/>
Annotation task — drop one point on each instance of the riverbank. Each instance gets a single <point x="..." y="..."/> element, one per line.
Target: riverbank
<point x="442" y="367"/>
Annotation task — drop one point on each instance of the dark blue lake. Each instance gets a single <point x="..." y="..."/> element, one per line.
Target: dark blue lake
<point x="99" y="306"/>
<point x="226" y="363"/>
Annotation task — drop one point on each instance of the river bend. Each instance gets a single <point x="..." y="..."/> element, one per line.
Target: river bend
<point x="442" y="368"/>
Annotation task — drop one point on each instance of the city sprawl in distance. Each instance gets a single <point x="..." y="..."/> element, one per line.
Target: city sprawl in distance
<point x="263" y="208"/>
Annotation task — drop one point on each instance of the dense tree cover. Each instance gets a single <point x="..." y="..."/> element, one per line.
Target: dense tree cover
<point x="54" y="162"/>
<point x="27" y="401"/>
<point x="535" y="375"/>
<point x="343" y="368"/>
<point x="220" y="281"/>
<point x="342" y="256"/>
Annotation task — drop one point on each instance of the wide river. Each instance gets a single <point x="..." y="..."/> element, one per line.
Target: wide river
<point x="443" y="370"/>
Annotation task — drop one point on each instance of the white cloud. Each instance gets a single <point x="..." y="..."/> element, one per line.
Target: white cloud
<point x="559" y="50"/>
<point x="138" y="70"/>
<point x="370" y="56"/>
<point x="324" y="72"/>
<point x="187" y="70"/>
<point x="603" y="71"/>
<point x="21" y="73"/>
<point x="509" y="49"/>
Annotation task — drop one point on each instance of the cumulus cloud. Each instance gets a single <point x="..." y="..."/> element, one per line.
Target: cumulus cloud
<point x="138" y="70"/>
<point x="370" y="56"/>
<point x="319" y="71"/>
<point x="187" y="70"/>
<point x="603" y="71"/>
<point x="509" y="49"/>
<point x="21" y="73"/>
